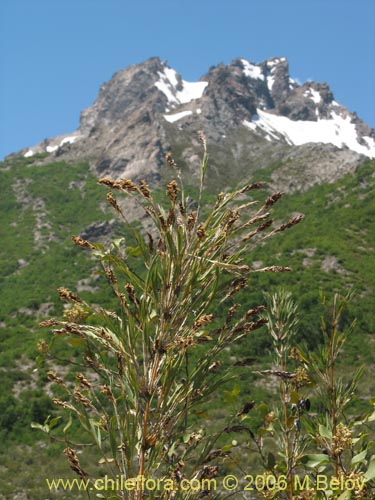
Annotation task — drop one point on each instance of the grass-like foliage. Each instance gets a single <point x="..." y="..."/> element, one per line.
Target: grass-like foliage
<point x="148" y="364"/>
<point x="311" y="445"/>
<point x="143" y="373"/>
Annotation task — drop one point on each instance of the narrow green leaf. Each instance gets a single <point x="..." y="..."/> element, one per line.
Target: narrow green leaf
<point x="271" y="461"/>
<point x="360" y="457"/>
<point x="227" y="447"/>
<point x="43" y="428"/>
<point x="370" y="473"/>
<point x="345" y="496"/>
<point x="133" y="251"/>
<point x="68" y="424"/>
<point x="53" y="422"/>
<point x="325" y="432"/>
<point x="314" y="460"/>
<point x="112" y="435"/>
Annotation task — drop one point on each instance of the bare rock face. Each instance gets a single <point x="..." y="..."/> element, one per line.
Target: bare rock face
<point x="120" y="131"/>
<point x="120" y="98"/>
<point x="254" y="115"/>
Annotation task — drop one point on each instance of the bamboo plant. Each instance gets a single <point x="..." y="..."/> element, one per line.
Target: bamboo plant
<point x="153" y="359"/>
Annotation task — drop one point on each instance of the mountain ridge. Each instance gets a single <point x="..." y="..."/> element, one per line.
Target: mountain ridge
<point x="146" y="109"/>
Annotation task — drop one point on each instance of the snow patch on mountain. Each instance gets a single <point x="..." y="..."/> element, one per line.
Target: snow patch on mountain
<point x="177" y="116"/>
<point x="176" y="90"/>
<point x="275" y="61"/>
<point x="339" y="131"/>
<point x="53" y="146"/>
<point x="252" y="70"/>
<point x="69" y="140"/>
<point x="313" y="95"/>
<point x="270" y="81"/>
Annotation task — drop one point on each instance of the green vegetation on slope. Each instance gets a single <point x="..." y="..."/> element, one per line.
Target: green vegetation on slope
<point x="332" y="250"/>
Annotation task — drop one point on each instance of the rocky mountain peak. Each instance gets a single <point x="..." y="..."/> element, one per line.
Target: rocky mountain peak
<point x="120" y="97"/>
<point x="256" y="109"/>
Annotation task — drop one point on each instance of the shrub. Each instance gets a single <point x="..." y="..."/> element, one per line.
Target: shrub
<point x="147" y="365"/>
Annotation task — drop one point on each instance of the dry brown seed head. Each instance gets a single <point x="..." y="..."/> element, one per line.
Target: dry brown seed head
<point x="279" y="373"/>
<point x="273" y="199"/>
<point x="257" y="218"/>
<point x="94" y="364"/>
<point x="205" y="319"/>
<point x="59" y="331"/>
<point x="232" y="217"/>
<point x="342" y="439"/>
<point x="111" y="276"/>
<point x="254" y="325"/>
<point x="48" y="322"/>
<point x="106" y="390"/>
<point x="150" y="441"/>
<point x="254" y="185"/>
<point x="162" y="221"/>
<point x="103" y="422"/>
<point x="202" y="339"/>
<point x="43" y="347"/>
<point x="161" y="246"/>
<point x="201" y="232"/>
<point x="238" y="284"/>
<point x="215" y="366"/>
<point x="120" y="366"/>
<point x="122" y="299"/>
<point x="171" y="217"/>
<point x="77" y="240"/>
<point x="256" y="310"/>
<point x="74" y="329"/>
<point x="264" y="226"/>
<point x="172" y="190"/>
<point x="83" y="380"/>
<point x="63" y="404"/>
<point x="296" y="355"/>
<point x="182" y="209"/>
<point x="150" y="243"/>
<point x="290" y="223"/>
<point x="108" y="182"/>
<point x="202" y="139"/>
<point x="183" y="342"/>
<point x="231" y="312"/>
<point x="110" y="314"/>
<point x="219" y="199"/>
<point x="210" y="471"/>
<point x="274" y="269"/>
<point x="74" y="463"/>
<point x="52" y="376"/>
<point x="78" y="396"/>
<point x="112" y="201"/>
<point x="144" y="189"/>
<point x="106" y="335"/>
<point x="170" y="160"/>
<point x="75" y="314"/>
<point x="131" y="292"/>
<point x="259" y="229"/>
<point x="192" y="217"/>
<point x="150" y="211"/>
<point x="127" y="185"/>
<point x="302" y="379"/>
<point x="68" y="295"/>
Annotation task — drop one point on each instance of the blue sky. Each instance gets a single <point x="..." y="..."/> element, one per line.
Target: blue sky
<point x="54" y="54"/>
